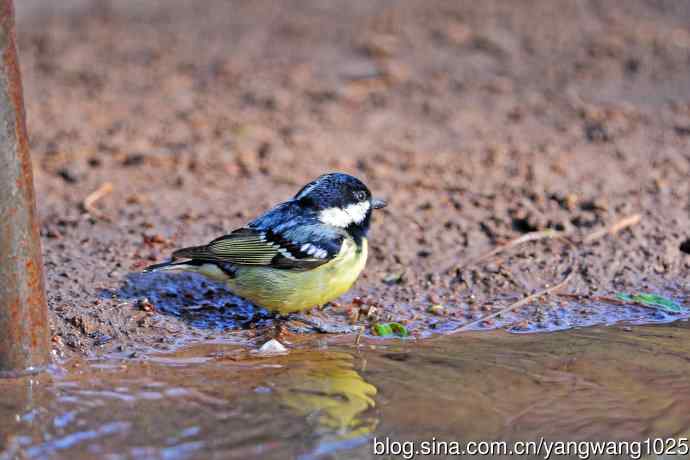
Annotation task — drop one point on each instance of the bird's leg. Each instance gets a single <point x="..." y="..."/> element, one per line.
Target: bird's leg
<point x="323" y="327"/>
<point x="278" y="328"/>
<point x="279" y="325"/>
<point x="250" y="323"/>
<point x="255" y="319"/>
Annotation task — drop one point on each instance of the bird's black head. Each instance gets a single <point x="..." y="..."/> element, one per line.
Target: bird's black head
<point x="340" y="200"/>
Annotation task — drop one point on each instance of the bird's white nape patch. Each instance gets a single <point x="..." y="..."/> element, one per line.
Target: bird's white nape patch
<point x="343" y="217"/>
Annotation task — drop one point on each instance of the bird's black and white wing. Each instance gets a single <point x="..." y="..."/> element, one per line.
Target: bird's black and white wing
<point x="279" y="239"/>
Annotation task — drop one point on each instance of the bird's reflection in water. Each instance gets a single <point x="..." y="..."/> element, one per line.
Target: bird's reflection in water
<point x="209" y="398"/>
<point x="326" y="388"/>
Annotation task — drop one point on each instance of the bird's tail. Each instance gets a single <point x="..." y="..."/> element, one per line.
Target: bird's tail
<point x="210" y="269"/>
<point x="196" y="255"/>
<point x="192" y="252"/>
<point x="170" y="265"/>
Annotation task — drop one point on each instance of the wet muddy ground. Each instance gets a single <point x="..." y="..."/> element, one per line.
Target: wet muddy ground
<point x="480" y="122"/>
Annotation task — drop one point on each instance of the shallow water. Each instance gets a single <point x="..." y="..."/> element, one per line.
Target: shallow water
<point x="328" y="398"/>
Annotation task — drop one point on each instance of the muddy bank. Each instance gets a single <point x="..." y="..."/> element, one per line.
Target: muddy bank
<point x="479" y="123"/>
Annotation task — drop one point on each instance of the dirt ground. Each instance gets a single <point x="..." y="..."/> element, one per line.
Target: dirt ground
<point x="479" y="122"/>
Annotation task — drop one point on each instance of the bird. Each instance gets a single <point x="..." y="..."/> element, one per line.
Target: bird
<point x="302" y="253"/>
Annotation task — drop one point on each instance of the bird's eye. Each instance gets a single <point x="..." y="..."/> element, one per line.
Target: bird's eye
<point x="360" y="195"/>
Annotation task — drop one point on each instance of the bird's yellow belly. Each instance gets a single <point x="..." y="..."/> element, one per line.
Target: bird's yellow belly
<point x="286" y="291"/>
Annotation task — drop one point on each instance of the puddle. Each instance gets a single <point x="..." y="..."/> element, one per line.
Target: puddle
<point x="327" y="399"/>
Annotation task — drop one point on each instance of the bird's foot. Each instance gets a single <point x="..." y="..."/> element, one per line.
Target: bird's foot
<point x="324" y="327"/>
<point x="279" y="329"/>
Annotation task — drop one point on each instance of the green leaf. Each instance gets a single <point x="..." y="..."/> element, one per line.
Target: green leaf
<point x="399" y="329"/>
<point x="389" y="329"/>
<point x="658" y="301"/>
<point x="383" y="329"/>
<point x="652" y="300"/>
<point x="624" y="297"/>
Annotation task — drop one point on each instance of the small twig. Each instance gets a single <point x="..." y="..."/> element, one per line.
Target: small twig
<point x="519" y="303"/>
<point x="533" y="236"/>
<point x="542" y="235"/>
<point x="580" y="297"/>
<point x="359" y="336"/>
<point x="613" y="229"/>
<point x="606" y="299"/>
<point x="92" y="198"/>
<point x="545" y="235"/>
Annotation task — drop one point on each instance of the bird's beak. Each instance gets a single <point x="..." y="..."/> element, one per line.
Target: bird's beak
<point x="378" y="203"/>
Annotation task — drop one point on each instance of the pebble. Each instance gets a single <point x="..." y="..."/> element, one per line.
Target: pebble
<point x="272" y="347"/>
<point x="146" y="305"/>
<point x="438" y="310"/>
<point x="68" y="175"/>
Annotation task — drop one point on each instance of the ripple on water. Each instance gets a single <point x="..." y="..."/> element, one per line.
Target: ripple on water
<point x="610" y="383"/>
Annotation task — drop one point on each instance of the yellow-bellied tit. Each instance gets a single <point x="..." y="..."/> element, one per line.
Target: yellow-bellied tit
<point x="302" y="253"/>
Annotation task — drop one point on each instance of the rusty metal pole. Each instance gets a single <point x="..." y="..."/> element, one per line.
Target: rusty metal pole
<point x="24" y="344"/>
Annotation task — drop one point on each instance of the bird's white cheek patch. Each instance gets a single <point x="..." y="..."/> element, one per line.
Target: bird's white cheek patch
<point x="336" y="217"/>
<point x="358" y="212"/>
<point x="339" y="217"/>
